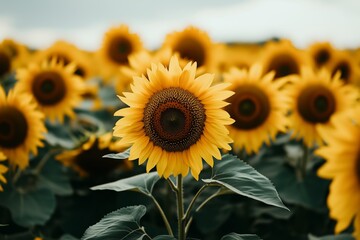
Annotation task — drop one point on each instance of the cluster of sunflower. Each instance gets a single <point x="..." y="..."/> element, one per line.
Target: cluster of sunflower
<point x="188" y="101"/>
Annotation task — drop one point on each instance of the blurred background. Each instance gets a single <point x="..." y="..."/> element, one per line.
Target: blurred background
<point x="38" y="23"/>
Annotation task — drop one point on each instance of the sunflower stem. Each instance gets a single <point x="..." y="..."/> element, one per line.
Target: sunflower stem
<point x="301" y="164"/>
<point x="188" y="211"/>
<point x="44" y="160"/>
<point x="172" y="185"/>
<point x="180" y="208"/>
<point x="167" y="224"/>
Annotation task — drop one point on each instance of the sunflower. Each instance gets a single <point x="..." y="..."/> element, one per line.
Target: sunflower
<point x="314" y="99"/>
<point x="283" y="58"/>
<point x="5" y="62"/>
<point x="321" y="53"/>
<point x="88" y="159"/>
<point x="174" y="119"/>
<point x="117" y="45"/>
<point x="258" y="108"/>
<point x="344" y="63"/>
<point x="66" y="53"/>
<point x="342" y="154"/>
<point x="138" y="65"/>
<point x="3" y="169"/>
<point x="54" y="86"/>
<point x="21" y="127"/>
<point x="195" y="45"/>
<point x="18" y="52"/>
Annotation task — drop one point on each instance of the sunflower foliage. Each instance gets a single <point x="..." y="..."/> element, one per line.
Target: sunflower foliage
<point x="194" y="140"/>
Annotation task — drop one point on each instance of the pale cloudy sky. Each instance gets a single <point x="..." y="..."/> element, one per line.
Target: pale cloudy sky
<point x="38" y="23"/>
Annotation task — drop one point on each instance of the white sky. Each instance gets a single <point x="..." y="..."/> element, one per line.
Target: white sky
<point x="39" y="23"/>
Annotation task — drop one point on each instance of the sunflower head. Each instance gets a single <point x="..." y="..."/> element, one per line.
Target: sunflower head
<point x="66" y="53"/>
<point x="345" y="64"/>
<point x="88" y="159"/>
<point x="321" y="53"/>
<point x="342" y="166"/>
<point x="174" y="119"/>
<point x="117" y="45"/>
<point x="283" y="58"/>
<point x="21" y="127"/>
<point x="18" y="53"/>
<point x="315" y="98"/>
<point x="258" y="108"/>
<point x="3" y="169"/>
<point x="5" y="62"/>
<point x="194" y="45"/>
<point x="55" y="87"/>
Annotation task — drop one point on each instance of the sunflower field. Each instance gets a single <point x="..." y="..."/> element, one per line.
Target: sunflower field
<point x="194" y="140"/>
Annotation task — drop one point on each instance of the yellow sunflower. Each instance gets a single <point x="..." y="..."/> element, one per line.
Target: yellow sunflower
<point x="88" y="159"/>
<point x="283" y="58"/>
<point x="3" y="169"/>
<point x="258" y="108"/>
<point x="138" y="65"/>
<point x="66" y="53"/>
<point x="5" y="62"/>
<point x="344" y="63"/>
<point x="342" y="154"/>
<point x="321" y="53"/>
<point x="54" y="87"/>
<point x="117" y="45"/>
<point x="21" y="127"/>
<point x="314" y="99"/>
<point x="194" y="45"/>
<point x="174" y="119"/>
<point x="18" y="52"/>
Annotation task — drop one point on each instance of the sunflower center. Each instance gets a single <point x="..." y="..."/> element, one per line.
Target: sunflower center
<point x="316" y="104"/>
<point x="283" y="65"/>
<point x="344" y="69"/>
<point x="13" y="127"/>
<point x="119" y="50"/>
<point x="322" y="57"/>
<point x="49" y="88"/>
<point x="250" y="107"/>
<point x="191" y="49"/>
<point x="174" y="119"/>
<point x="5" y="63"/>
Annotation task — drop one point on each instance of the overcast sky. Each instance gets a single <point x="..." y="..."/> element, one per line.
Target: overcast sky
<point x="38" y="23"/>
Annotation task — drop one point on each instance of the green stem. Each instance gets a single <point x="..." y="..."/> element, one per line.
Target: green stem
<point x="188" y="211"/>
<point x="172" y="185"/>
<point x="180" y="208"/>
<point x="44" y="160"/>
<point x="301" y="164"/>
<point x="167" y="224"/>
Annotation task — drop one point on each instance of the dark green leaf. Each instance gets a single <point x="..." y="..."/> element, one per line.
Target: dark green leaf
<point x="235" y="236"/>
<point x="332" y="237"/>
<point x="54" y="178"/>
<point x="68" y="237"/>
<point x="143" y="183"/>
<point x="123" y="223"/>
<point x="241" y="178"/>
<point x="164" y="237"/>
<point x="29" y="208"/>
<point x="121" y="156"/>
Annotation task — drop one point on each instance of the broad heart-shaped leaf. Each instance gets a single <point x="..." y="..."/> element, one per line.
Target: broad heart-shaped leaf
<point x="121" y="156"/>
<point x="30" y="208"/>
<point x="143" y="183"/>
<point x="241" y="178"/>
<point x="332" y="237"/>
<point x="123" y="223"/>
<point x="235" y="236"/>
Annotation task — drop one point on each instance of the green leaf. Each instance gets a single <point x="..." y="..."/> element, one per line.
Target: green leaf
<point x="121" y="156"/>
<point x="54" y="178"/>
<point x="123" y="223"/>
<point x="235" y="236"/>
<point x="29" y="208"/>
<point x="68" y="237"/>
<point x="241" y="178"/>
<point x="332" y="237"/>
<point x="164" y="237"/>
<point x="143" y="183"/>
